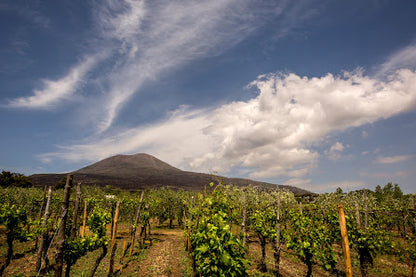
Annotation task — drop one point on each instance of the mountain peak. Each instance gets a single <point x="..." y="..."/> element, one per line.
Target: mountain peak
<point x="128" y="165"/>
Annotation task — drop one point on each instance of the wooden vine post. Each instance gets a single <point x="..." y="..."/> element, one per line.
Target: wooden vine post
<point x="61" y="233"/>
<point x="345" y="245"/>
<point x="243" y="222"/>
<point x="113" y="241"/>
<point x="413" y="208"/>
<point x="44" y="238"/>
<point x="189" y="227"/>
<point x="122" y="253"/>
<point x="42" y="203"/>
<point x="366" y="210"/>
<point x="136" y="221"/>
<point x="357" y="215"/>
<point x="74" y="226"/>
<point x="277" y="246"/>
<point x="84" y="220"/>
<point x="39" y="217"/>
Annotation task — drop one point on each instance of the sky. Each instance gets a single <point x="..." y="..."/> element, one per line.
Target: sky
<point x="317" y="94"/>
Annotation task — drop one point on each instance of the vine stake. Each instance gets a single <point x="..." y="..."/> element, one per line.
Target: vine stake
<point x="345" y="245"/>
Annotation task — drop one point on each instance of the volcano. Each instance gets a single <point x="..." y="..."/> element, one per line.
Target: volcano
<point x="143" y="171"/>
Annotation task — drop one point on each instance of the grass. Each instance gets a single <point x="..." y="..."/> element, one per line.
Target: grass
<point x="185" y="264"/>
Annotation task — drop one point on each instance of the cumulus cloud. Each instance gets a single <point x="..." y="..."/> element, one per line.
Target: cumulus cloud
<point x="393" y="159"/>
<point x="55" y="91"/>
<point x="270" y="135"/>
<point x="334" y="153"/>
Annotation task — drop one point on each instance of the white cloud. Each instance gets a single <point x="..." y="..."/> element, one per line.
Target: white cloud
<point x="375" y="151"/>
<point x="344" y="185"/>
<point x="152" y="37"/>
<point x="147" y="38"/>
<point x="393" y="159"/>
<point x="404" y="58"/>
<point x="180" y="133"/>
<point x="270" y="135"/>
<point x="54" y="92"/>
<point x="334" y="153"/>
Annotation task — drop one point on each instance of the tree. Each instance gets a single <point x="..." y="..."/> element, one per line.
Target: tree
<point x="8" y="179"/>
<point x="378" y="193"/>
<point x="339" y="191"/>
<point x="397" y="192"/>
<point x="61" y="183"/>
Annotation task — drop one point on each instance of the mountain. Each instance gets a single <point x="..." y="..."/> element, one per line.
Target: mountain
<point x="142" y="171"/>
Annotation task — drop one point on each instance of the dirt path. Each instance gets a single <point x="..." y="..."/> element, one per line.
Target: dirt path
<point x="166" y="257"/>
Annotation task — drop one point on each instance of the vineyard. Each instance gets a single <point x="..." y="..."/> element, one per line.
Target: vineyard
<point x="224" y="230"/>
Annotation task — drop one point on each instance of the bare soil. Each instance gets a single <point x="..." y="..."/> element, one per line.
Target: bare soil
<point x="164" y="257"/>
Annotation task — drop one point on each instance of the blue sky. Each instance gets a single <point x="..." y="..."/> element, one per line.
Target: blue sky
<point x="317" y="94"/>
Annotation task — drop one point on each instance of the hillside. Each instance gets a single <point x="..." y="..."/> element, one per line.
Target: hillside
<point x="142" y="171"/>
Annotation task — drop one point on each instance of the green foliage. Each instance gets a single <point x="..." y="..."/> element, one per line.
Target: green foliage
<point x="311" y="238"/>
<point x="262" y="207"/>
<point x="264" y="222"/>
<point x="389" y="194"/>
<point x="372" y="238"/>
<point x="77" y="247"/>
<point x="15" y="219"/>
<point x="410" y="249"/>
<point x="166" y="204"/>
<point x="98" y="221"/>
<point x="216" y="251"/>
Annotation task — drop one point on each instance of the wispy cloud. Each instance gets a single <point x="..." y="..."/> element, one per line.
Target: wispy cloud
<point x="148" y="38"/>
<point x="393" y="159"/>
<point x="153" y="37"/>
<point x="367" y="152"/>
<point x="385" y="175"/>
<point x="185" y="128"/>
<point x="55" y="91"/>
<point x="403" y="58"/>
<point x="29" y="12"/>
<point x="270" y="135"/>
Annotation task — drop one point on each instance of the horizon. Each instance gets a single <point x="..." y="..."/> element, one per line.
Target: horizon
<point x="313" y="94"/>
